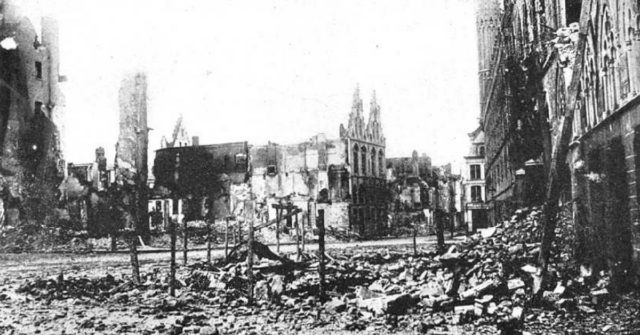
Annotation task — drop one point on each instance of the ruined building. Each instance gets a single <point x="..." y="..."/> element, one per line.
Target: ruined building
<point x="513" y="58"/>
<point x="578" y="61"/>
<point x="473" y="183"/>
<point x="599" y="66"/>
<point x="365" y="157"/>
<point x="408" y="179"/>
<point x="30" y="102"/>
<point x="345" y="176"/>
<point x="131" y="165"/>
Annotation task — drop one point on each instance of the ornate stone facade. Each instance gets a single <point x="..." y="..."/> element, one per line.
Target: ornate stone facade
<point x="366" y="146"/>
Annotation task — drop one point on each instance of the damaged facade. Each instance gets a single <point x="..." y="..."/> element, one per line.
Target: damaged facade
<point x="408" y="179"/>
<point x="344" y="176"/>
<point x="578" y="61"/>
<point x="131" y="166"/>
<point x="365" y="147"/>
<point x="473" y="184"/>
<point x="514" y="57"/>
<point x="30" y="110"/>
<point x="604" y="153"/>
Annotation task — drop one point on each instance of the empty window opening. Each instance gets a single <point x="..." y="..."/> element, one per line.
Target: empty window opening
<point x="475" y="172"/>
<point x="39" y="70"/>
<point x="476" y="193"/>
<point x="271" y="170"/>
<point x="572" y="8"/>
<point x="241" y="161"/>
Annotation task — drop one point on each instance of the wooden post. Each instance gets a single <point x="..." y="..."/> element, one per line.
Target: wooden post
<point x="239" y="232"/>
<point x="172" y="279"/>
<point x="226" y="238"/>
<point x="278" y="218"/>
<point x="302" y="232"/>
<point x="114" y="241"/>
<point x="297" y="223"/>
<point x="185" y="241"/>
<point x="452" y="219"/>
<point x="249" y="213"/>
<point x="321" y="256"/>
<point x="437" y="217"/>
<point x="415" y="233"/>
<point x="172" y="231"/>
<point x="559" y="153"/>
<point x="133" y="251"/>
<point x="213" y="218"/>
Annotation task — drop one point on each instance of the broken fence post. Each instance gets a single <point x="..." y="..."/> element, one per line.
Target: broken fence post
<point x="114" y="241"/>
<point x="321" y="256"/>
<point x="302" y="232"/>
<point x="453" y="222"/>
<point x="213" y="218"/>
<point x="248" y="212"/>
<point x="239" y="232"/>
<point x="415" y="233"/>
<point x="226" y="238"/>
<point x="298" y="238"/>
<point x="185" y="241"/>
<point x="278" y="218"/>
<point x="133" y="252"/>
<point x="172" y="276"/>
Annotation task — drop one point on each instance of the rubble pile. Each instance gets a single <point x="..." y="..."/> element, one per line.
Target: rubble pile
<point x="483" y="285"/>
<point x="32" y="237"/>
<point x="74" y="287"/>
<point x="488" y="279"/>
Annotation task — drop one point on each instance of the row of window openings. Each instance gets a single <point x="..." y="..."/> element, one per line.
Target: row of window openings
<point x="500" y="172"/>
<point x="362" y="168"/>
<point x="603" y="98"/>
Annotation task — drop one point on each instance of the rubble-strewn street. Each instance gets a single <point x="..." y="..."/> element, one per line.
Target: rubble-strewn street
<point x="482" y="285"/>
<point x="320" y="167"/>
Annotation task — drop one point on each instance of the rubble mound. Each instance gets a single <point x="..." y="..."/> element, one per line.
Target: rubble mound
<point x="481" y="286"/>
<point x="33" y="237"/>
<point x="75" y="287"/>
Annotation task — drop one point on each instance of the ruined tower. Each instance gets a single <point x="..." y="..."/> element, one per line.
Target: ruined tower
<point x="488" y="20"/>
<point x="30" y="110"/>
<point x="133" y="142"/>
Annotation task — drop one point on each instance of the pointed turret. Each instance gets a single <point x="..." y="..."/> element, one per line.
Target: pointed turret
<point x="374" y="126"/>
<point x="180" y="137"/>
<point x="356" y="117"/>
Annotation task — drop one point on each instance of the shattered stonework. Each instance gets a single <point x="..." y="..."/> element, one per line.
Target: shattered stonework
<point x="131" y="152"/>
<point x="30" y="110"/>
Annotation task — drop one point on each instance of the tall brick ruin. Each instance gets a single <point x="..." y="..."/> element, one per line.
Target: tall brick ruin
<point x="30" y="102"/>
<point x="133" y="141"/>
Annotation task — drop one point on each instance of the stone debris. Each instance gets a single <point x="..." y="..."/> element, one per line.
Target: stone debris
<point x="484" y="284"/>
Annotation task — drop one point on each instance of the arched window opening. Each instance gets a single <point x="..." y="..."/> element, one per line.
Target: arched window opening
<point x="374" y="162"/>
<point x="356" y="153"/>
<point x="381" y="164"/>
<point x="363" y="153"/>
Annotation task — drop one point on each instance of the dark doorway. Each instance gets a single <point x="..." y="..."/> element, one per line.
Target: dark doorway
<point x="479" y="219"/>
<point x="617" y="213"/>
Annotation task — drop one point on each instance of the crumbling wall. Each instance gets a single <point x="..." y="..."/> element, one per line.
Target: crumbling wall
<point x="336" y="216"/>
<point x="131" y="152"/>
<point x="29" y="100"/>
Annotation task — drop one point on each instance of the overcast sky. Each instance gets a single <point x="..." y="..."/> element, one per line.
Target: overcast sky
<point x="278" y="71"/>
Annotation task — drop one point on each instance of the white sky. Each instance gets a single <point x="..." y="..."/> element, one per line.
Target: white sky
<point x="271" y="70"/>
